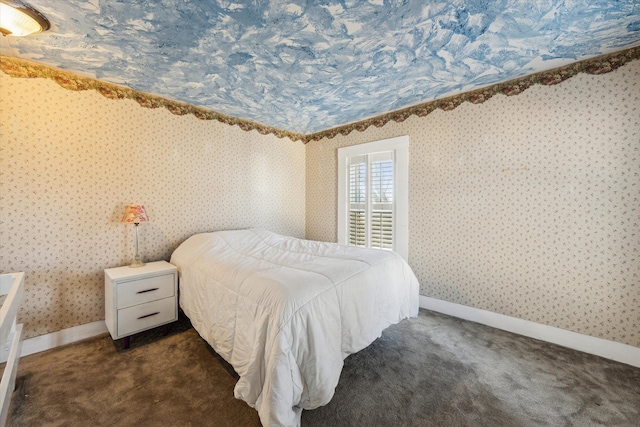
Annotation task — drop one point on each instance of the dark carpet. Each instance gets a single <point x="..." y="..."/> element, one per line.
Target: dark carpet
<point x="434" y="370"/>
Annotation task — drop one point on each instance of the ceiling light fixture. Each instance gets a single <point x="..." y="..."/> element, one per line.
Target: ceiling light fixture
<point x="18" y="18"/>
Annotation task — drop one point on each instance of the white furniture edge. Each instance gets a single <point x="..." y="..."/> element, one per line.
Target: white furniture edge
<point x="11" y="369"/>
<point x="63" y="337"/>
<point x="11" y="285"/>
<point x="619" y="352"/>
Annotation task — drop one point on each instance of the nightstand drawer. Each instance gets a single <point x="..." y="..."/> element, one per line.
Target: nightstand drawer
<point x="144" y="316"/>
<point x="140" y="291"/>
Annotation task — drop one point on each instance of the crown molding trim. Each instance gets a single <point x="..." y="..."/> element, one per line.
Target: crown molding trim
<point x="15" y="67"/>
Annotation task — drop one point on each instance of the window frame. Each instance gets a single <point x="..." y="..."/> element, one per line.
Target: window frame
<point x="400" y="147"/>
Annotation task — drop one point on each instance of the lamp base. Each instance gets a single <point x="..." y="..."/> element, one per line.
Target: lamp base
<point x="137" y="262"/>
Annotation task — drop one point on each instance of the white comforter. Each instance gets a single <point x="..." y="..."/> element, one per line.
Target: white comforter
<point x="285" y="312"/>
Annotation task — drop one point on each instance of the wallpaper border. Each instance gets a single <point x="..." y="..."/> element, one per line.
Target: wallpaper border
<point x="598" y="65"/>
<point x="15" y="67"/>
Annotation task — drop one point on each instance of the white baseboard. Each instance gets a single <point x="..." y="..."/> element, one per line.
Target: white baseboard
<point x="65" y="336"/>
<point x="604" y="348"/>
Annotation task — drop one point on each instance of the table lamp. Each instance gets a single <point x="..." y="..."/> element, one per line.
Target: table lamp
<point x="135" y="214"/>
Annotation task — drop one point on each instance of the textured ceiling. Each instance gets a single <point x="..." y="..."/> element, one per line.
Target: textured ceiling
<point x="306" y="66"/>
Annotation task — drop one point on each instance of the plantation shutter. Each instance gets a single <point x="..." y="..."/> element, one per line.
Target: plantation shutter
<point x="371" y="200"/>
<point x="373" y="195"/>
<point x="381" y="166"/>
<point x="357" y="200"/>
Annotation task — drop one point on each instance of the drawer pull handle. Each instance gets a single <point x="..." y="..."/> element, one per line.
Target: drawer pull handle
<point x="148" y="315"/>
<point x="147" y="290"/>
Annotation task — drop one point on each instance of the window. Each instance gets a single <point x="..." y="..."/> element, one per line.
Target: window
<point x="373" y="195"/>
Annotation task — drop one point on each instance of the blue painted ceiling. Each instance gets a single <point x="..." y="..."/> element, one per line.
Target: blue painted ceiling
<point x="306" y="66"/>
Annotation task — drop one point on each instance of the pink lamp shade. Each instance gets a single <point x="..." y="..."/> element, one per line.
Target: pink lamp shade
<point x="134" y="214"/>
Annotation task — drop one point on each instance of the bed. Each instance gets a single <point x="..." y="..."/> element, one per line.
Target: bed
<point x="286" y="312"/>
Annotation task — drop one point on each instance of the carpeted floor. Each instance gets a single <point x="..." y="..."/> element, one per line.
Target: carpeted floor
<point x="434" y="370"/>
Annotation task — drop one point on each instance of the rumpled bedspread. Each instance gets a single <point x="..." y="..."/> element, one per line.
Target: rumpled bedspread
<point x="285" y="312"/>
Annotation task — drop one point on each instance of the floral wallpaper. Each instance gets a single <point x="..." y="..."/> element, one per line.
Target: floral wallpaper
<point x="525" y="206"/>
<point x="520" y="205"/>
<point x="71" y="160"/>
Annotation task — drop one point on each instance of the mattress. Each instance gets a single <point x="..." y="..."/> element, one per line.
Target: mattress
<point x="286" y="312"/>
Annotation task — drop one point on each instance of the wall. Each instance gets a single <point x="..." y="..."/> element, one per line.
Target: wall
<point x="526" y="206"/>
<point x="70" y="161"/>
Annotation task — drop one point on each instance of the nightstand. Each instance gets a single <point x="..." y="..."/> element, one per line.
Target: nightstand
<point x="137" y="299"/>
